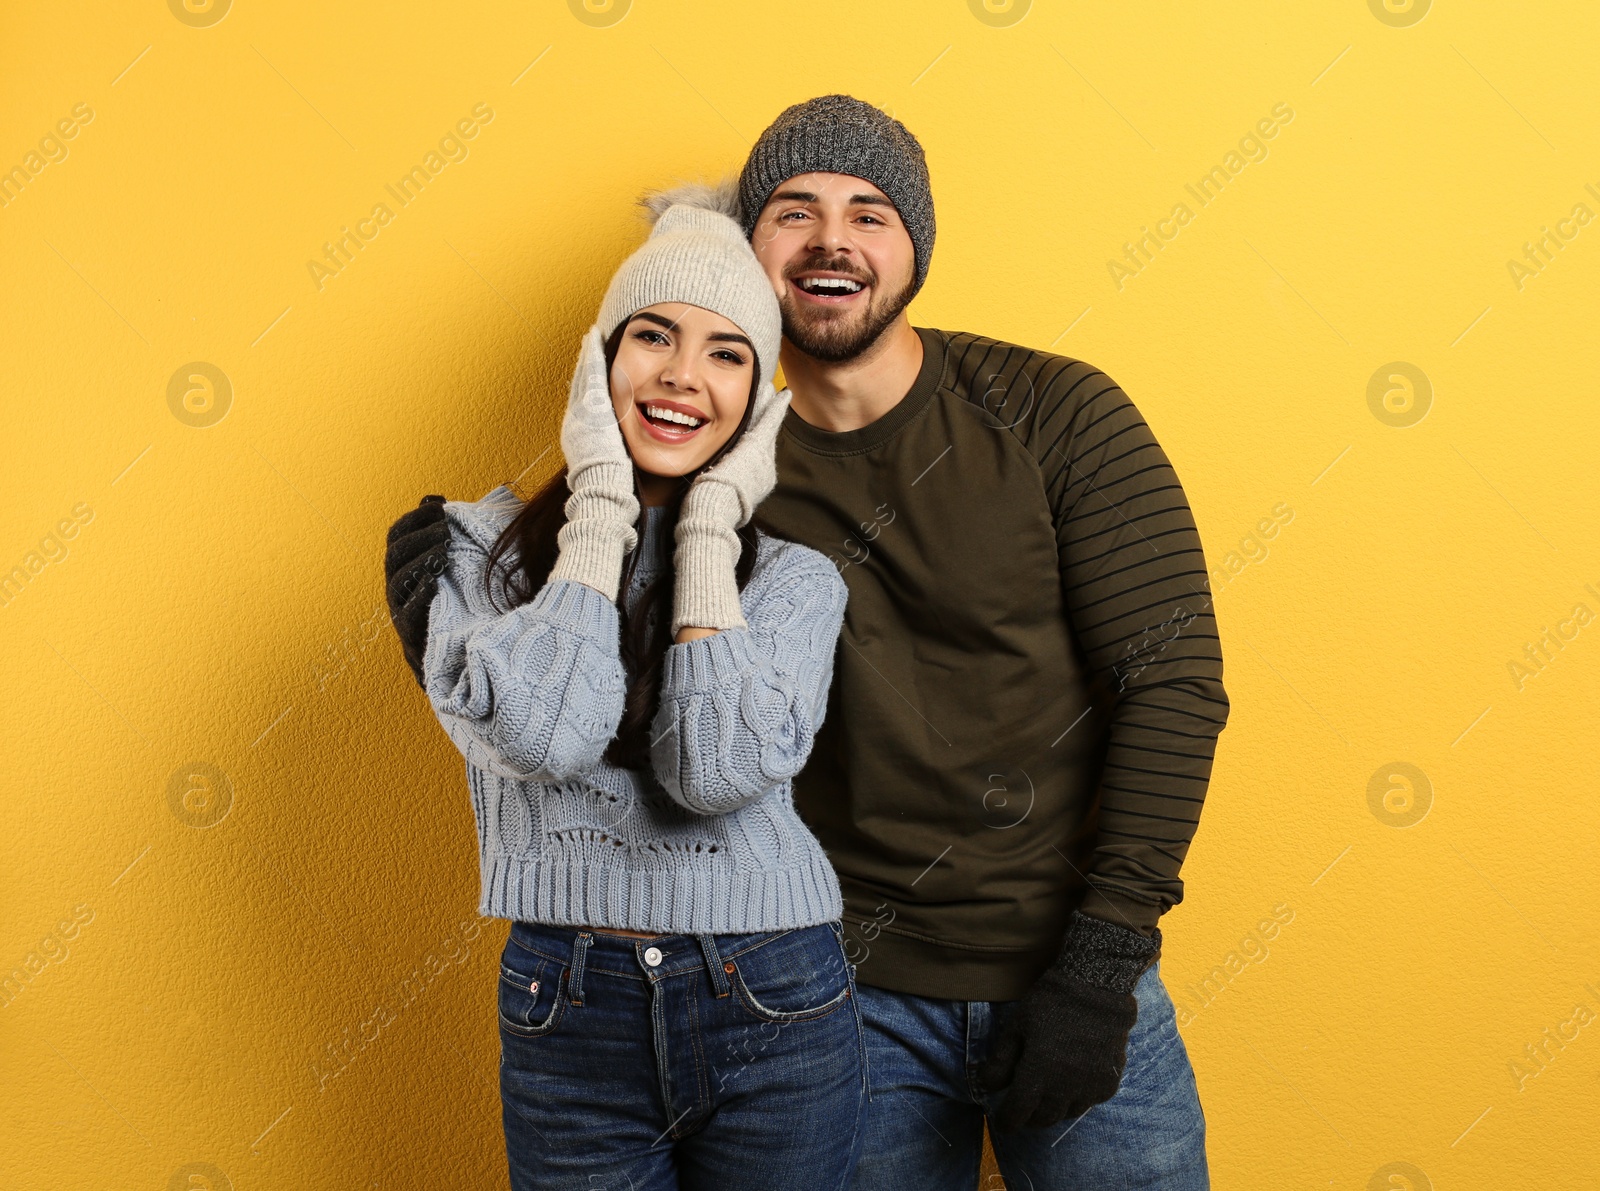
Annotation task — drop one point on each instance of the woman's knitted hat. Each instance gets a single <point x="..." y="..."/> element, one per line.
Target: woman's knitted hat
<point x="698" y="254"/>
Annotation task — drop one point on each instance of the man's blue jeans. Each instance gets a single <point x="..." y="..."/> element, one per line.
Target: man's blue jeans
<point x="924" y="1126"/>
<point x="684" y="1061"/>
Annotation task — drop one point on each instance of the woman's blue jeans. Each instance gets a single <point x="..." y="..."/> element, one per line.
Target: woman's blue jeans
<point x="684" y="1061"/>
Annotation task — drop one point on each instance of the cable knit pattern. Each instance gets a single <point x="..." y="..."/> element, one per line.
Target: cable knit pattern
<point x="709" y="841"/>
<point x="739" y="709"/>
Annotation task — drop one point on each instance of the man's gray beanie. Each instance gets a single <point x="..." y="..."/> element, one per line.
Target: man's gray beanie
<point x="838" y="134"/>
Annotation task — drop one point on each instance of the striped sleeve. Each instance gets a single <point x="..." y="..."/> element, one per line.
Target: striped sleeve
<point x="1135" y="584"/>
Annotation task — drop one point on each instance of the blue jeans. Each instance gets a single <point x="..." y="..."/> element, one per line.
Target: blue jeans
<point x="683" y="1061"/>
<point x="924" y="1126"/>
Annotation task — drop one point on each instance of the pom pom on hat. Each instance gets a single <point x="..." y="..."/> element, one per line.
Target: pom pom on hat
<point x="722" y="197"/>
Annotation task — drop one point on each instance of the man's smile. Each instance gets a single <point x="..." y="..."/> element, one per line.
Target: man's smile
<point x="828" y="288"/>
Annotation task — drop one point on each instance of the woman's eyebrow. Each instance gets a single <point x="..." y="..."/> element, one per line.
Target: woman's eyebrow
<point x="715" y="336"/>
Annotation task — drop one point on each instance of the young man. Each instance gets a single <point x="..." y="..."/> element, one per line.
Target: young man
<point x="1027" y="695"/>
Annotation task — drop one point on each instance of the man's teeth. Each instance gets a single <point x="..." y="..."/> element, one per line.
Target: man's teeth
<point x="672" y="415"/>
<point x="829" y="285"/>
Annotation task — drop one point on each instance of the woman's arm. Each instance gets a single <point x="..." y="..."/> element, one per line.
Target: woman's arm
<point x="538" y="692"/>
<point x="535" y="693"/>
<point x="740" y="708"/>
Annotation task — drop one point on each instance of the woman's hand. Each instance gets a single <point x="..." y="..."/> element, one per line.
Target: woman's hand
<point x="602" y="510"/>
<point x="723" y="498"/>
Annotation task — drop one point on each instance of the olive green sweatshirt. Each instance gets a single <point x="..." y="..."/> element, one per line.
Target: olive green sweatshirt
<point x="1028" y="686"/>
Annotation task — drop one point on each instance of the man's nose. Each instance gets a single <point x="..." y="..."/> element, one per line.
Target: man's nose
<point x="832" y="235"/>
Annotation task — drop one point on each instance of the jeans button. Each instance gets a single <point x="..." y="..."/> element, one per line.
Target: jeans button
<point x="652" y="956"/>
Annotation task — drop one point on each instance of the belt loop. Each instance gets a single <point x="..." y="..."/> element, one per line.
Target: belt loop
<point x="719" y="974"/>
<point x="580" y="949"/>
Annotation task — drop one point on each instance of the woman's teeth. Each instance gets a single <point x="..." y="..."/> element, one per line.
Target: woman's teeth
<point x="662" y="414"/>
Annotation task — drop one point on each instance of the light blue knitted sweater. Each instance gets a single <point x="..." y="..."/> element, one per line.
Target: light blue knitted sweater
<point x="708" y="842"/>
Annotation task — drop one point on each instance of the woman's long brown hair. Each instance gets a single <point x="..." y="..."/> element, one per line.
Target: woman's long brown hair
<point x="646" y="632"/>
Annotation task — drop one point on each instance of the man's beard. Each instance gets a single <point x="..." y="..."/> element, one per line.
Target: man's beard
<point x="834" y="336"/>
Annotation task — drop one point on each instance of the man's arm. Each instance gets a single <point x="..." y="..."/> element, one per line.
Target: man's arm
<point x="1135" y="584"/>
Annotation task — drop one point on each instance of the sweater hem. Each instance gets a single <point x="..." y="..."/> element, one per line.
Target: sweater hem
<point x="897" y="963"/>
<point x="583" y="892"/>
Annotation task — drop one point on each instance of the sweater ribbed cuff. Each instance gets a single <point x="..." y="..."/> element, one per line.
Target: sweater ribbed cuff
<point x="596" y="538"/>
<point x="1106" y="955"/>
<point x="705" y="593"/>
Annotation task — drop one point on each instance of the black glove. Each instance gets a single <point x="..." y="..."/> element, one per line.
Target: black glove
<point x="1065" y="1046"/>
<point x="417" y="553"/>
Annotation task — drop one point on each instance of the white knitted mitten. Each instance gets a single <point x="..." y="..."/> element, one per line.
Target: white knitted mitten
<point x="602" y="510"/>
<point x="705" y="591"/>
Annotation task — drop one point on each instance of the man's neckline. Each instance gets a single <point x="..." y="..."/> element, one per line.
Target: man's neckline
<point x="875" y="434"/>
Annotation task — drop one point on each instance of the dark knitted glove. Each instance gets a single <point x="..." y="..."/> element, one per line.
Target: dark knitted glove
<point x="418" y="550"/>
<point x="1064" y="1048"/>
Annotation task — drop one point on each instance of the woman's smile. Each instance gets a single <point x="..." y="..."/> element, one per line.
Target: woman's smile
<point x="671" y="422"/>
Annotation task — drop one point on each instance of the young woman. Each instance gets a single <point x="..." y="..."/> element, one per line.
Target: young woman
<point x="634" y="673"/>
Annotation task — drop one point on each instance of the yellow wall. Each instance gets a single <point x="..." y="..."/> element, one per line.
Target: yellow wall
<point x="239" y="881"/>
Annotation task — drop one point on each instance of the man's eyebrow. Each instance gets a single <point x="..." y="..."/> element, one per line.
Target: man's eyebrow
<point x="806" y="196"/>
<point x="662" y="320"/>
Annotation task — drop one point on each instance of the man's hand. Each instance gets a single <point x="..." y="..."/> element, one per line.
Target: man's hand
<point x="417" y="553"/>
<point x="1065" y="1046"/>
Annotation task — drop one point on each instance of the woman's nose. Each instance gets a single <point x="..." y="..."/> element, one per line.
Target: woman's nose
<point x="681" y="372"/>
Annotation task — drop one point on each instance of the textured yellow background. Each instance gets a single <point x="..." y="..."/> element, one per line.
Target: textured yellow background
<point x="239" y="877"/>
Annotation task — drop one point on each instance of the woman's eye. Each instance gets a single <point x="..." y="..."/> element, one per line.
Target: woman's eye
<point x="730" y="357"/>
<point x="652" y="337"/>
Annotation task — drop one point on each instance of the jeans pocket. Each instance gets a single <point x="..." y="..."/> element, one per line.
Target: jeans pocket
<point x="1155" y="1031"/>
<point x="531" y="1004"/>
<point x="800" y="976"/>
